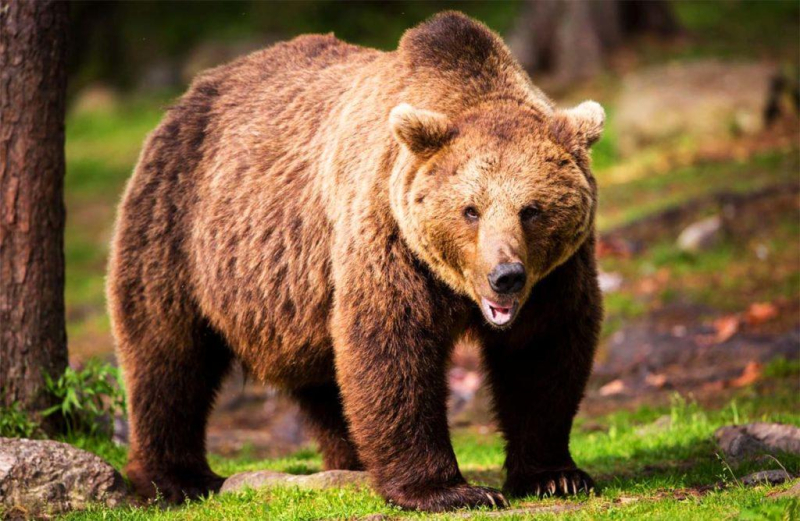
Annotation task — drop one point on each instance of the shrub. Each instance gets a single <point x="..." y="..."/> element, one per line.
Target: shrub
<point x="87" y="399"/>
<point x="15" y="423"/>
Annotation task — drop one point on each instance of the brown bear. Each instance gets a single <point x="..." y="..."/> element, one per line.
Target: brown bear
<point x="335" y="218"/>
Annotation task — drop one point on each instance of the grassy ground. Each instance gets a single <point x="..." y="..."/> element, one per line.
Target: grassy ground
<point x="102" y="146"/>
<point x="654" y="463"/>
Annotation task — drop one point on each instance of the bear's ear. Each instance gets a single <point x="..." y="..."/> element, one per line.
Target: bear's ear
<point x="586" y="121"/>
<point x="423" y="132"/>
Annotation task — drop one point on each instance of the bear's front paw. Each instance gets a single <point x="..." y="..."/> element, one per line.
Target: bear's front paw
<point x="442" y="499"/>
<point x="172" y="487"/>
<point x="556" y="482"/>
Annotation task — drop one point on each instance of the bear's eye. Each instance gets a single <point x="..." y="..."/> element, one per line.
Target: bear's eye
<point x="530" y="213"/>
<point x="471" y="214"/>
<point x="563" y="162"/>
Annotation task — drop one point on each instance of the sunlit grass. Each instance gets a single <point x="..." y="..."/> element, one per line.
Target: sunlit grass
<point x="643" y="467"/>
<point x="622" y="203"/>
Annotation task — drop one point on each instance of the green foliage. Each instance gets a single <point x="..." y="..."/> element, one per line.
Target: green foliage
<point x="16" y="423"/>
<point x="782" y="368"/>
<point x="87" y="399"/>
<point x="742" y="28"/>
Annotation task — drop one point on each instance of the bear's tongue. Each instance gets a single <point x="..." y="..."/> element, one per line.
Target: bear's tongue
<point x="500" y="312"/>
<point x="497" y="314"/>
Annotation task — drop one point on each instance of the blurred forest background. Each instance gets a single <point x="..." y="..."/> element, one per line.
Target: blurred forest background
<point x="698" y="173"/>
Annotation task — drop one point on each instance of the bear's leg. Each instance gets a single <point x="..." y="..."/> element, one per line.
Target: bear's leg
<point x="172" y="379"/>
<point x="322" y="408"/>
<point x="393" y="331"/>
<point x="538" y="371"/>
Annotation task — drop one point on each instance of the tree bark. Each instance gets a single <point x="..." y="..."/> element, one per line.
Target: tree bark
<point x="570" y="39"/>
<point x="33" y="337"/>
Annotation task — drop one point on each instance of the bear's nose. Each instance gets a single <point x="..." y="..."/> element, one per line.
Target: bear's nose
<point x="508" y="277"/>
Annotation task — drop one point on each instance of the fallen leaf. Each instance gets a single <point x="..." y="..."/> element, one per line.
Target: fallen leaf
<point x="612" y="247"/>
<point x="750" y="375"/>
<point x="611" y="388"/>
<point x="648" y="286"/>
<point x="714" y="386"/>
<point x="655" y="380"/>
<point x="760" y="312"/>
<point x="725" y="327"/>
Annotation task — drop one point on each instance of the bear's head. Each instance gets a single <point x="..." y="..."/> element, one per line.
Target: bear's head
<point x="495" y="198"/>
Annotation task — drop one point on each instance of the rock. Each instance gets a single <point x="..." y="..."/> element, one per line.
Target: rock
<point x="704" y="99"/>
<point x="700" y="235"/>
<point x="662" y="423"/>
<point x="792" y="492"/>
<point x="45" y="477"/>
<point x="613" y="388"/>
<point x="609" y="282"/>
<point x="766" y="477"/>
<point x="318" y="481"/>
<point x="738" y="441"/>
<point x="121" y="431"/>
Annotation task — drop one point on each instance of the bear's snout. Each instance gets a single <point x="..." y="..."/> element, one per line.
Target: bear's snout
<point x="507" y="278"/>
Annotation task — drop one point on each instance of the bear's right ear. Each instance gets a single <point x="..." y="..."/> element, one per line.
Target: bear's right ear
<point x="423" y="132"/>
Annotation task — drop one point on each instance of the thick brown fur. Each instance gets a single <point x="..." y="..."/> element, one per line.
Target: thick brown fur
<point x="301" y="210"/>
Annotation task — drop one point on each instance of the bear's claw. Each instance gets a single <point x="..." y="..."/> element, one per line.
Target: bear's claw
<point x="442" y="499"/>
<point x="546" y="483"/>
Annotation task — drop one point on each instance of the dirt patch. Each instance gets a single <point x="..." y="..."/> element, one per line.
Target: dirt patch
<point x="254" y="418"/>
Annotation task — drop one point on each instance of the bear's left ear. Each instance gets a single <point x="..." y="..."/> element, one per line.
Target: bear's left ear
<point x="585" y="121"/>
<point x="423" y="132"/>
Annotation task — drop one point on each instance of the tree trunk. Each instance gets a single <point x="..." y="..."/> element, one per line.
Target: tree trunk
<point x="33" y="337"/>
<point x="570" y="39"/>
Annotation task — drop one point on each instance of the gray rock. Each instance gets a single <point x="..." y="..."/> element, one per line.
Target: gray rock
<point x="45" y="477"/>
<point x="766" y="477"/>
<point x="609" y="282"/>
<point x="318" y="481"/>
<point x="738" y="441"/>
<point x="704" y="99"/>
<point x="662" y="423"/>
<point x="700" y="235"/>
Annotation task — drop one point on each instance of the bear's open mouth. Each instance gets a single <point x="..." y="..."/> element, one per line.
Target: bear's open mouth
<point x="498" y="314"/>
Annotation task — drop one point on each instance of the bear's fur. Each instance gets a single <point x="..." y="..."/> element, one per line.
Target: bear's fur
<point x="328" y="215"/>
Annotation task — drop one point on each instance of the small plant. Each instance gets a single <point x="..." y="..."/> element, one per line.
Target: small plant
<point x="15" y="423"/>
<point x="87" y="399"/>
<point x="780" y="367"/>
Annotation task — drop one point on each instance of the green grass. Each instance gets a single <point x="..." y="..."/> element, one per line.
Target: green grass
<point x="728" y="276"/>
<point x="101" y="150"/>
<point x="622" y="203"/>
<point x="643" y="469"/>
